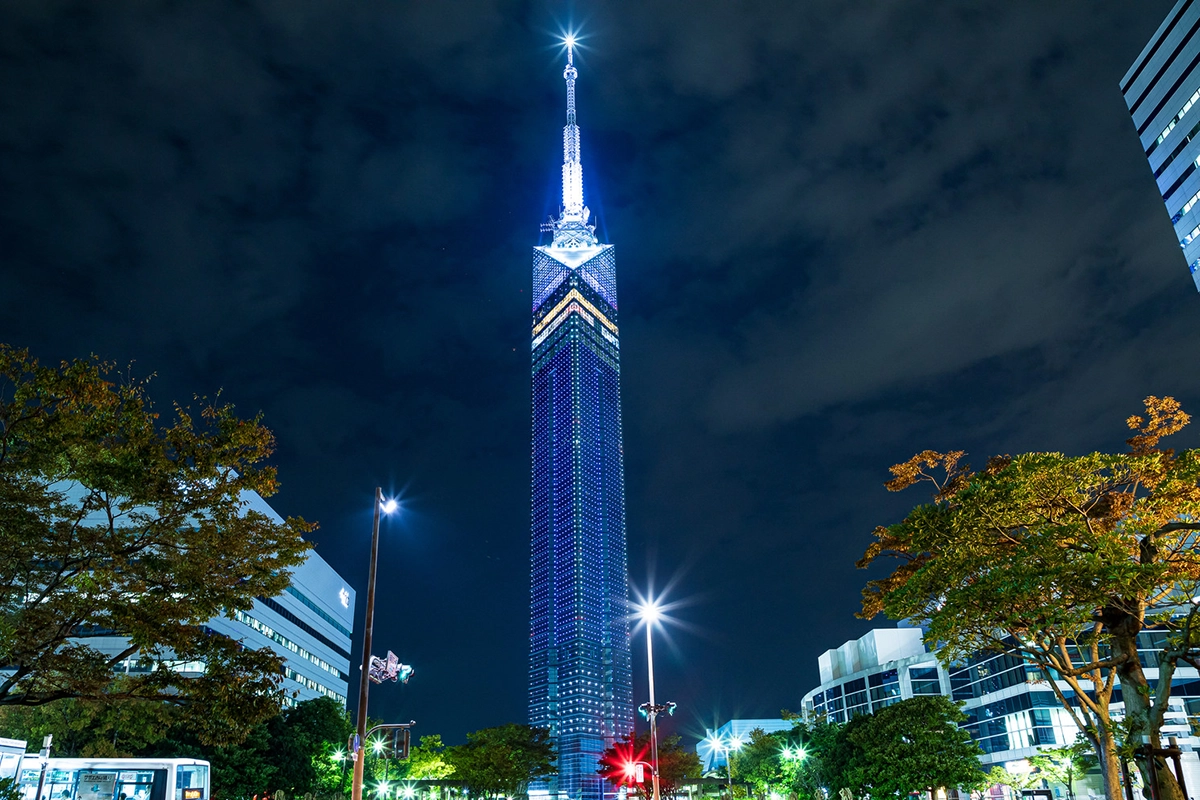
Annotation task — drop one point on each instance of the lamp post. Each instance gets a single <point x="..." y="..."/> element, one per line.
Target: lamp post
<point x="356" y="784"/>
<point x="728" y="748"/>
<point x="649" y="613"/>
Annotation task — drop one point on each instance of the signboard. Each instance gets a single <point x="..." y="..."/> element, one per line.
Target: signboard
<point x="96" y="786"/>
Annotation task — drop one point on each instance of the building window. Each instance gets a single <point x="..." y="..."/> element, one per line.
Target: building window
<point x="924" y="680"/>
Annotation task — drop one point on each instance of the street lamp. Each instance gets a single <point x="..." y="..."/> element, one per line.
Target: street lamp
<point x="734" y="744"/>
<point x="650" y="613"/>
<point x="356" y="785"/>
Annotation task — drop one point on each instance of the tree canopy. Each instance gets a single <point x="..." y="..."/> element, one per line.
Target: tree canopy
<point x="915" y="745"/>
<point x="502" y="760"/>
<point x="675" y="763"/>
<point x="1063" y="560"/>
<point x="114" y="522"/>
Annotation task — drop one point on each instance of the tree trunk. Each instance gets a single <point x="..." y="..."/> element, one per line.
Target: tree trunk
<point x="1110" y="769"/>
<point x="1139" y="717"/>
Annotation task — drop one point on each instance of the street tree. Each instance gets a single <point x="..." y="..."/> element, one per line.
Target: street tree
<point x="91" y="729"/>
<point x="675" y="764"/>
<point x="300" y="739"/>
<point x="760" y="762"/>
<point x="1063" y="560"/>
<point x="913" y="746"/>
<point x="295" y="751"/>
<point x="428" y="760"/>
<point x="502" y="760"/>
<point x="1064" y="765"/>
<point x="115" y="522"/>
<point x="814" y="758"/>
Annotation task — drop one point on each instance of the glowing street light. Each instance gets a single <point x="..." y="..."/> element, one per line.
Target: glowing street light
<point x="356" y="785"/>
<point x="728" y="747"/>
<point x="794" y="753"/>
<point x="650" y="613"/>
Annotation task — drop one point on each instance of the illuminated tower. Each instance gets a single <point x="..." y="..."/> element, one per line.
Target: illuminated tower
<point x="580" y="682"/>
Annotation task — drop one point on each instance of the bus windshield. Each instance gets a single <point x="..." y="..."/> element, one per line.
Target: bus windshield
<point x="115" y="779"/>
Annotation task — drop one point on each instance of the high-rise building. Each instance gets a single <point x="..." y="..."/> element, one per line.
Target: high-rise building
<point x="1162" y="91"/>
<point x="580" y="680"/>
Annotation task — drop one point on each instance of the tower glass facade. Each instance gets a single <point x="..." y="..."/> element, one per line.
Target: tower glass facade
<point x="580" y="679"/>
<point x="1162" y="91"/>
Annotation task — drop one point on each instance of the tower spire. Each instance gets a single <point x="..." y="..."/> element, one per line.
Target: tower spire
<point x="571" y="229"/>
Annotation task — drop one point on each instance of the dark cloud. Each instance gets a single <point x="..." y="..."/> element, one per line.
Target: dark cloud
<point x="844" y="233"/>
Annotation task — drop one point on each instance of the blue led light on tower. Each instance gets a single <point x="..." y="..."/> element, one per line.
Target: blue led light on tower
<point x="580" y="676"/>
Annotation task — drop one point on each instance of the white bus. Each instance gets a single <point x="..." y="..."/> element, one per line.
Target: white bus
<point x="115" y="778"/>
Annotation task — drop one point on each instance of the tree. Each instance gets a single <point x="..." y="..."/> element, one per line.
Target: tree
<point x="1063" y="560"/>
<point x="816" y="748"/>
<point x="502" y="760"/>
<point x="1017" y="781"/>
<point x="912" y="746"/>
<point x="760" y="762"/>
<point x="293" y="751"/>
<point x="675" y="763"/>
<point x="427" y="761"/>
<point x="300" y="738"/>
<point x="113" y="523"/>
<point x="91" y="729"/>
<point x="1064" y="764"/>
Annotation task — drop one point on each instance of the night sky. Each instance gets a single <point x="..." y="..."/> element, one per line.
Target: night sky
<point x="845" y="232"/>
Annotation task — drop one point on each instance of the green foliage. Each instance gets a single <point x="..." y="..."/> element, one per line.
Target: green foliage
<point x="428" y="760"/>
<point x="293" y="751"/>
<point x="999" y="776"/>
<point x="1064" y="765"/>
<point x="760" y="762"/>
<point x="112" y="522"/>
<point x="10" y="789"/>
<point x="91" y="729"/>
<point x="912" y="746"/>
<point x="1064" y="560"/>
<point x="502" y="760"/>
<point x="301" y="736"/>
<point x="675" y="763"/>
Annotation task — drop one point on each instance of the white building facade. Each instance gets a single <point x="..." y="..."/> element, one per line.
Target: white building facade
<point x="1011" y="709"/>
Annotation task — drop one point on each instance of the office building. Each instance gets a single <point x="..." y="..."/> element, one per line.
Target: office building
<point x="309" y="626"/>
<point x="1162" y="90"/>
<point x="580" y="681"/>
<point x="1011" y="709"/>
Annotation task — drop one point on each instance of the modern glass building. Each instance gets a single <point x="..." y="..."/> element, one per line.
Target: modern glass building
<point x="1162" y="91"/>
<point x="580" y="681"/>
<point x="1011" y="709"/>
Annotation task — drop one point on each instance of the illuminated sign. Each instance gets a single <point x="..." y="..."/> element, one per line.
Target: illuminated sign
<point x="344" y="596"/>
<point x="96" y="786"/>
<point x="193" y="794"/>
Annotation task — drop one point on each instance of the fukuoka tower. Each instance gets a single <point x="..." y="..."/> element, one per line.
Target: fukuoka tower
<point x="580" y="682"/>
